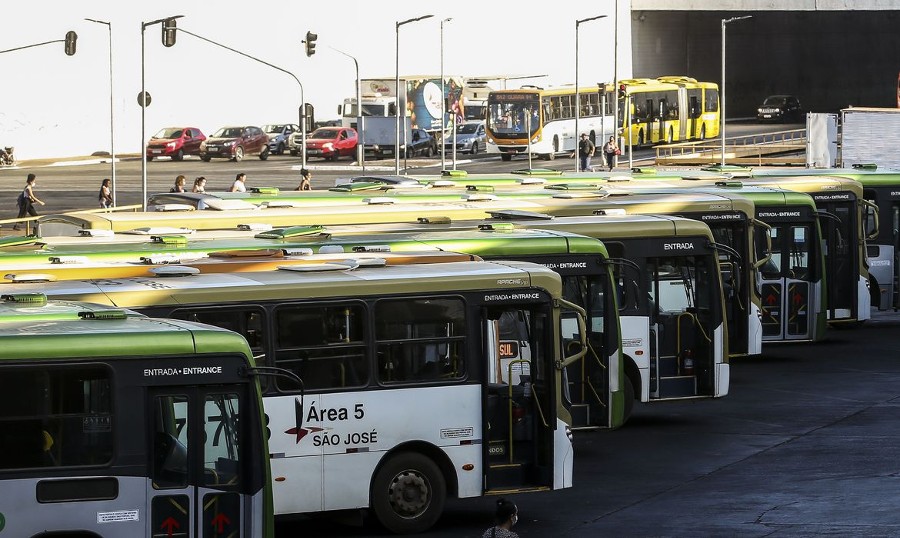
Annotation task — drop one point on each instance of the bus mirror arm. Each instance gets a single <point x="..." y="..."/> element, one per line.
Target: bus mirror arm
<point x="768" y="232"/>
<point x="582" y="334"/>
<point x="270" y="371"/>
<point x="876" y="228"/>
<point x="734" y="254"/>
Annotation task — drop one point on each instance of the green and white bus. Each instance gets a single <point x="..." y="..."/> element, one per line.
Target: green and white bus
<point x="421" y="381"/>
<point x="116" y="424"/>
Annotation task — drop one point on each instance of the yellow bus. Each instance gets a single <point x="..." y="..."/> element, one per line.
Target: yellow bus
<point x="668" y="109"/>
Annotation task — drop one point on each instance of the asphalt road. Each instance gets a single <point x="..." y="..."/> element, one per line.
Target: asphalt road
<point x="70" y="184"/>
<point x="807" y="443"/>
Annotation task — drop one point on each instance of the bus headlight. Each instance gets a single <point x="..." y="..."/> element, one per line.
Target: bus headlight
<point x="491" y="141"/>
<point x="569" y="433"/>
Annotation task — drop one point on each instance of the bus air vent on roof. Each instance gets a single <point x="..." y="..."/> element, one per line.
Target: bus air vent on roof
<point x="68" y="259"/>
<point x="103" y="314"/>
<point x="174" y="270"/>
<point x="23" y="298"/>
<point x="379" y="200"/>
<point x="17" y="278"/>
<point x="254" y="227"/>
<point x="90" y="232"/>
<point x="513" y="214"/>
<point x="434" y="220"/>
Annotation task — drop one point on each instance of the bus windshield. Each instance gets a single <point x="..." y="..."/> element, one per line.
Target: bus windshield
<point x="512" y="117"/>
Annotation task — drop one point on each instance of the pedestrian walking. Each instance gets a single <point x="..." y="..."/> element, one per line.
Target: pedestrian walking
<point x="105" y="194"/>
<point x="238" y="185"/>
<point x="585" y="152"/>
<point x="305" y="176"/>
<point x="610" y="150"/>
<point x="27" y="199"/>
<point x="506" y="516"/>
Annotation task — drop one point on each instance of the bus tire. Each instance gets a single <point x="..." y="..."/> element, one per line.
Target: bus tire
<point x="671" y="136"/>
<point x="408" y="493"/>
<point x="640" y="140"/>
<point x="703" y="132"/>
<point x="505" y="157"/>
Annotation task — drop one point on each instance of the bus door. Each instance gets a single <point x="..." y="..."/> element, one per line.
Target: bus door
<point x="787" y="287"/>
<point x="842" y="263"/>
<point x="683" y="319"/>
<point x="520" y="412"/>
<point x="663" y="113"/>
<point x="693" y="116"/>
<point x="882" y="249"/>
<point x="198" y="486"/>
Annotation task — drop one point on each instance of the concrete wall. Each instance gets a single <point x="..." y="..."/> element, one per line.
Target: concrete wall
<point x="829" y="59"/>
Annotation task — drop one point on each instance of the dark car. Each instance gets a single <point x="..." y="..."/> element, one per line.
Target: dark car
<point x="235" y="143"/>
<point x="175" y="142"/>
<point x="421" y="142"/>
<point x="783" y="108"/>
<point x="330" y="143"/>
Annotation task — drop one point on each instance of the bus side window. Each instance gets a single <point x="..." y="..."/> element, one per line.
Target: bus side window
<point x="324" y="345"/>
<point x="420" y="339"/>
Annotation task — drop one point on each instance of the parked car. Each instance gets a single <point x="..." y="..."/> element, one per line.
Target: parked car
<point x="420" y="142"/>
<point x="175" y="142"/>
<point x="470" y="138"/>
<point x="783" y="108"/>
<point x="235" y="143"/>
<point x="279" y="134"/>
<point x="330" y="143"/>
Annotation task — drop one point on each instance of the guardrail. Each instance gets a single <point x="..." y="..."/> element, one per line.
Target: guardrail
<point x="781" y="147"/>
<point x="30" y="223"/>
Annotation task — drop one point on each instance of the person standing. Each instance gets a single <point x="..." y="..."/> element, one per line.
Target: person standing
<point x="105" y="195"/>
<point x="179" y="184"/>
<point x="305" y="177"/>
<point x="506" y="516"/>
<point x="199" y="185"/>
<point x="238" y="185"/>
<point x="585" y="152"/>
<point x="610" y="150"/>
<point x="27" y="199"/>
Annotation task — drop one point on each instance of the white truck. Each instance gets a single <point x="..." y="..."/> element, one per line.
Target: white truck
<point x="855" y="135"/>
<point x="420" y="97"/>
<point x="379" y="136"/>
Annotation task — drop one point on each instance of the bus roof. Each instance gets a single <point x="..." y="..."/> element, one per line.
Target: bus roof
<point x="55" y="330"/>
<point x="259" y="286"/>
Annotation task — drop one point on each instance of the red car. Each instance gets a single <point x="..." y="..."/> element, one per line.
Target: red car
<point x="236" y="142"/>
<point x="175" y="142"/>
<point x="332" y="143"/>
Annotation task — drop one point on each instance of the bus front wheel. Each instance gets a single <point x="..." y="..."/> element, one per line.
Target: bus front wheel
<point x="505" y="157"/>
<point x="408" y="493"/>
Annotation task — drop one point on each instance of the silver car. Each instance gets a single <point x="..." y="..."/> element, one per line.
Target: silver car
<point x="278" y="134"/>
<point x="470" y="137"/>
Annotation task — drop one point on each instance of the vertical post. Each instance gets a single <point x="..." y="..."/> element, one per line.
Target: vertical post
<point x="443" y="101"/>
<point x="397" y="99"/>
<point x="615" y="129"/>
<point x="143" y="126"/>
<point x="577" y="105"/>
<point x="722" y="94"/>
<point x="112" y="135"/>
<point x="397" y="26"/>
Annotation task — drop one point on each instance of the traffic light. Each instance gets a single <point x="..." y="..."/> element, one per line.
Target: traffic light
<point x="311" y="43"/>
<point x="71" y="38"/>
<point x="621" y="91"/>
<point x="168" y="32"/>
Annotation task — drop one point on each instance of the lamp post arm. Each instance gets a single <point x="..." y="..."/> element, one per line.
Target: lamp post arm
<point x="302" y="98"/>
<point x="32" y="46"/>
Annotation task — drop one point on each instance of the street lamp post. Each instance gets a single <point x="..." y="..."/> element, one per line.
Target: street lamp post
<point x="397" y="89"/>
<point x="722" y="93"/>
<point x="577" y="96"/>
<point x="444" y="102"/>
<point x="143" y="101"/>
<point x="112" y="136"/>
<point x="360" y="156"/>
